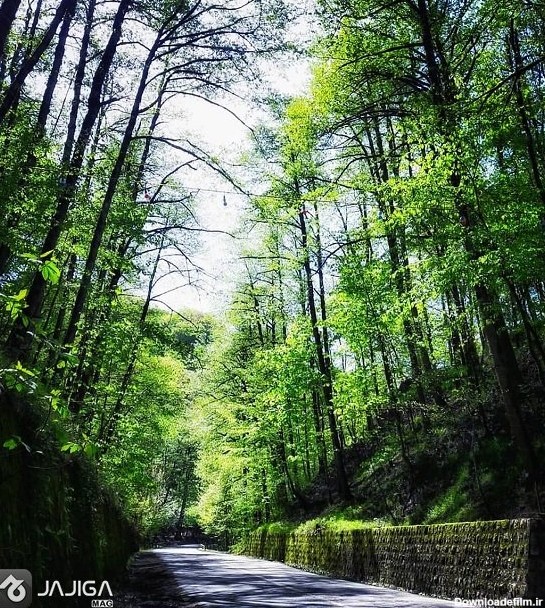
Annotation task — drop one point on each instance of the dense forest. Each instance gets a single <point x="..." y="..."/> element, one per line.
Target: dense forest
<point x="383" y="354"/>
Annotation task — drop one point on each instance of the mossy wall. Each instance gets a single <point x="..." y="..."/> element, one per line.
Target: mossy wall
<point x="55" y="518"/>
<point x="491" y="559"/>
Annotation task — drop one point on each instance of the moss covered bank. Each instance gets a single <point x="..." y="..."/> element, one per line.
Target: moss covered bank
<point x="55" y="518"/>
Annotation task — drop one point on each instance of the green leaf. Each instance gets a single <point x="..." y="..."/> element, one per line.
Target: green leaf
<point x="67" y="359"/>
<point x="12" y="443"/>
<point x="29" y="256"/>
<point x="21" y="295"/>
<point x="90" y="449"/>
<point x="71" y="447"/>
<point x="19" y="367"/>
<point x="51" y="272"/>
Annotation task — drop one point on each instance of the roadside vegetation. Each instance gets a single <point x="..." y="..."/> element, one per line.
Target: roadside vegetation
<point x="383" y="356"/>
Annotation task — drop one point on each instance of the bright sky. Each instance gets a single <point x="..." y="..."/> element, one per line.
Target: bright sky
<point x="226" y="138"/>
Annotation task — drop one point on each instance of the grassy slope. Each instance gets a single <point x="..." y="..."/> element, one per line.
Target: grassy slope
<point x="459" y="465"/>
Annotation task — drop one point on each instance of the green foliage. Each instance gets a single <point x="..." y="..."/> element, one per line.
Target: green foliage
<point x="185" y="334"/>
<point x="14" y="442"/>
<point x="454" y="504"/>
<point x="340" y="520"/>
<point x="396" y="272"/>
<point x="68" y="526"/>
<point x="15" y="304"/>
<point x="149" y="464"/>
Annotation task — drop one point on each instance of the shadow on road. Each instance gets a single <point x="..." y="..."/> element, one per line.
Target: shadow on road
<point x="219" y="580"/>
<point x="150" y="585"/>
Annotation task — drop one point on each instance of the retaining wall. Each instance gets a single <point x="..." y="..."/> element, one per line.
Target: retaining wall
<point x="491" y="559"/>
<point x="56" y="519"/>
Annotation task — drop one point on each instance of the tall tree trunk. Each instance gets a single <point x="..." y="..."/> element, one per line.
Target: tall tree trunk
<point x="517" y="65"/>
<point x="505" y="363"/>
<point x="8" y="12"/>
<point x="19" y="340"/>
<point x="78" y="83"/>
<point x="12" y="93"/>
<point x="324" y="367"/>
<point x="45" y="107"/>
<point x="115" y="175"/>
<point x="507" y="374"/>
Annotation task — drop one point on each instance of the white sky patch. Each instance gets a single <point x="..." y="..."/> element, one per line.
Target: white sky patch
<point x="219" y="205"/>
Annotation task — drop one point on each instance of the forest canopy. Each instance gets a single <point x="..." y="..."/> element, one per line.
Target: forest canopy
<point x="384" y="346"/>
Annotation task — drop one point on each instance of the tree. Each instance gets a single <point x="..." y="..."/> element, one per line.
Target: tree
<point x="424" y="80"/>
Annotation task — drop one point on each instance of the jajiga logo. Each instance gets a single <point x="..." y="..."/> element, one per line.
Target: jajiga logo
<point x="15" y="588"/>
<point x="76" y="589"/>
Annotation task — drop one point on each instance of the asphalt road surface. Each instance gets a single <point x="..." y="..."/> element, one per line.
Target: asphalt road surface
<point x="220" y="580"/>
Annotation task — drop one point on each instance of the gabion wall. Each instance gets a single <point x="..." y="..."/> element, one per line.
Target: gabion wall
<point x="491" y="559"/>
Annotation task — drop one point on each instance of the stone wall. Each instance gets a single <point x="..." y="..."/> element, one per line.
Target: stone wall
<point x="492" y="559"/>
<point x="56" y="518"/>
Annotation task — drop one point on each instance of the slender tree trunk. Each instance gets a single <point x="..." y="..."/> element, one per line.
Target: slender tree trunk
<point x="78" y="83"/>
<point x="533" y="339"/>
<point x="23" y="47"/>
<point x="100" y="225"/>
<point x="188" y="474"/>
<point x="12" y="93"/>
<point x="8" y="12"/>
<point x="108" y="431"/>
<point x="324" y="366"/>
<point x="296" y="493"/>
<point x="319" y="435"/>
<point x="19" y="340"/>
<point x="45" y="107"/>
<point x="468" y="348"/>
<point x="517" y="64"/>
<point x="390" y="383"/>
<point x="379" y="170"/>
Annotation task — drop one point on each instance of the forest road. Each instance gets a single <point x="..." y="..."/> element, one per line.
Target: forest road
<point x="220" y="580"/>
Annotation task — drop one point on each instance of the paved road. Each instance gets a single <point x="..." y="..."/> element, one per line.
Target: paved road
<point x="220" y="580"/>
